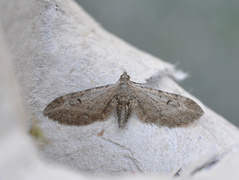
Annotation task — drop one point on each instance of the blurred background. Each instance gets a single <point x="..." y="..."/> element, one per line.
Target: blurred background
<point x="201" y="37"/>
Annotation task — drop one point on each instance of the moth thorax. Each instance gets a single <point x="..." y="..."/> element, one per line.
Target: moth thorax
<point x="123" y="100"/>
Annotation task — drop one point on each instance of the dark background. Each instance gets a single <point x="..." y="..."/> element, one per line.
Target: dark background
<point x="201" y="37"/>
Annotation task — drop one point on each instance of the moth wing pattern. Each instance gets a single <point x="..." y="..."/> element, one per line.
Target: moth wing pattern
<point x="84" y="107"/>
<point x="165" y="108"/>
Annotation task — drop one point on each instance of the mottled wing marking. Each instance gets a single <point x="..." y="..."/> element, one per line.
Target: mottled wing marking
<point x="82" y="108"/>
<point x="165" y="108"/>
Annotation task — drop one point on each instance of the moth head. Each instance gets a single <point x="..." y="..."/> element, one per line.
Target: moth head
<point x="124" y="77"/>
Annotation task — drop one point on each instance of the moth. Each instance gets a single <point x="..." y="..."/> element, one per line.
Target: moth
<point x="96" y="104"/>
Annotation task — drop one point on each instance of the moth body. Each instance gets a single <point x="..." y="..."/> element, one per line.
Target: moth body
<point x="123" y="100"/>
